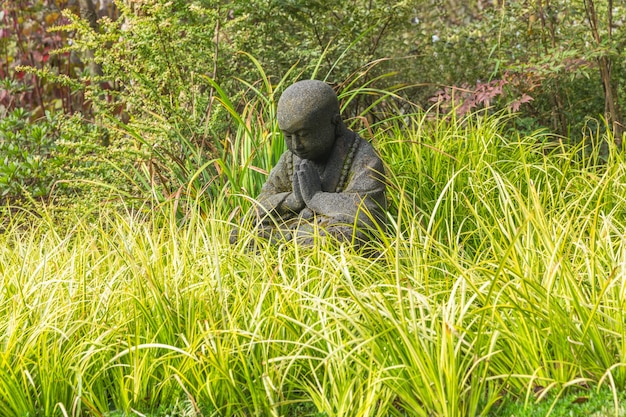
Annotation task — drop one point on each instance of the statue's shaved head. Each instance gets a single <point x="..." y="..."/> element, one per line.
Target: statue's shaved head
<point x="309" y="99"/>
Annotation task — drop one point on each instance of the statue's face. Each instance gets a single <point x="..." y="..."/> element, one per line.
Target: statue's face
<point x="310" y="136"/>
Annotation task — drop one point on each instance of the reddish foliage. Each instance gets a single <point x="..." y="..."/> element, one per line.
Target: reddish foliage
<point x="26" y="41"/>
<point x="466" y="98"/>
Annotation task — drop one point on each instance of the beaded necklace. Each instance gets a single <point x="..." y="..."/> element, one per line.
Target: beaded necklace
<point x="345" y="169"/>
<point x="347" y="163"/>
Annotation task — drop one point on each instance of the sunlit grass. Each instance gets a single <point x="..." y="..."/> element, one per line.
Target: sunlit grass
<point x="502" y="274"/>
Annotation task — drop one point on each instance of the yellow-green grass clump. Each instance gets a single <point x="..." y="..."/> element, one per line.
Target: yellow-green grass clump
<point x="502" y="273"/>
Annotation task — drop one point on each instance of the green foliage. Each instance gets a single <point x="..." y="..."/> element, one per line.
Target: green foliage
<point x="165" y="79"/>
<point x="59" y="158"/>
<point x="156" y="53"/>
<point x="91" y="167"/>
<point x="29" y="155"/>
<point x="547" y="51"/>
<point x="153" y="97"/>
<point x="501" y="274"/>
<point x="47" y="135"/>
<point x="596" y="403"/>
<point x="330" y="43"/>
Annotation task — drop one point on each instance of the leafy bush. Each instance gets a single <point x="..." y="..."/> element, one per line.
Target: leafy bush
<point x="152" y="76"/>
<point x="551" y="52"/>
<point x="26" y="40"/>
<point x="29" y="155"/>
<point x="59" y="157"/>
<point x="46" y="126"/>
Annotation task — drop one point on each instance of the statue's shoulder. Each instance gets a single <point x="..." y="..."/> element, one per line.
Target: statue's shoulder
<point x="284" y="161"/>
<point x="366" y="150"/>
<point x="282" y="171"/>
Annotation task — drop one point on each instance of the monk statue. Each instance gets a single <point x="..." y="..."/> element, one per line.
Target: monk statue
<point x="330" y="182"/>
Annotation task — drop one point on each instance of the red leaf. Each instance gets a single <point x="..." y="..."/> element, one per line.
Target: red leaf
<point x="525" y="98"/>
<point x="37" y="56"/>
<point x="517" y="103"/>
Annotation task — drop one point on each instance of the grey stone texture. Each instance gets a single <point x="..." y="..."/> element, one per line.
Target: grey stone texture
<point x="330" y="181"/>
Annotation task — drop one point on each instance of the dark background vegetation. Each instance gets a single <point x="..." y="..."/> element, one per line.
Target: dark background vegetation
<point x="139" y="94"/>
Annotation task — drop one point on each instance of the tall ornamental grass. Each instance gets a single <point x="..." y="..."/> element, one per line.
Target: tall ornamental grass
<point x="502" y="273"/>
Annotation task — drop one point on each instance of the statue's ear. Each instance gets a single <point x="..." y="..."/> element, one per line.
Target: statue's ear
<point x="336" y="120"/>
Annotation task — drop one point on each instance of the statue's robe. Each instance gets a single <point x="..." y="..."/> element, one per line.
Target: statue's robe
<point x="351" y="205"/>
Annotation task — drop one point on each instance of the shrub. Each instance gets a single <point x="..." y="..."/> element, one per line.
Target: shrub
<point x="556" y="53"/>
<point x="26" y="40"/>
<point x="154" y="74"/>
<point x="28" y="155"/>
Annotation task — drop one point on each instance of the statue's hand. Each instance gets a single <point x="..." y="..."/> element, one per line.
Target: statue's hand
<point x="296" y="195"/>
<point x="294" y="201"/>
<point x="308" y="180"/>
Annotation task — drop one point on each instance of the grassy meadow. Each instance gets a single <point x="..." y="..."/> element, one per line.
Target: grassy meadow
<point x="501" y="279"/>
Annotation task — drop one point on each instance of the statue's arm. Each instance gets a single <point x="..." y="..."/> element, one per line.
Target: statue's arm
<point x="277" y="196"/>
<point x="363" y="195"/>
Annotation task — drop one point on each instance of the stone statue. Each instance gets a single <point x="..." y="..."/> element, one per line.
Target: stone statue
<point x="330" y="182"/>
